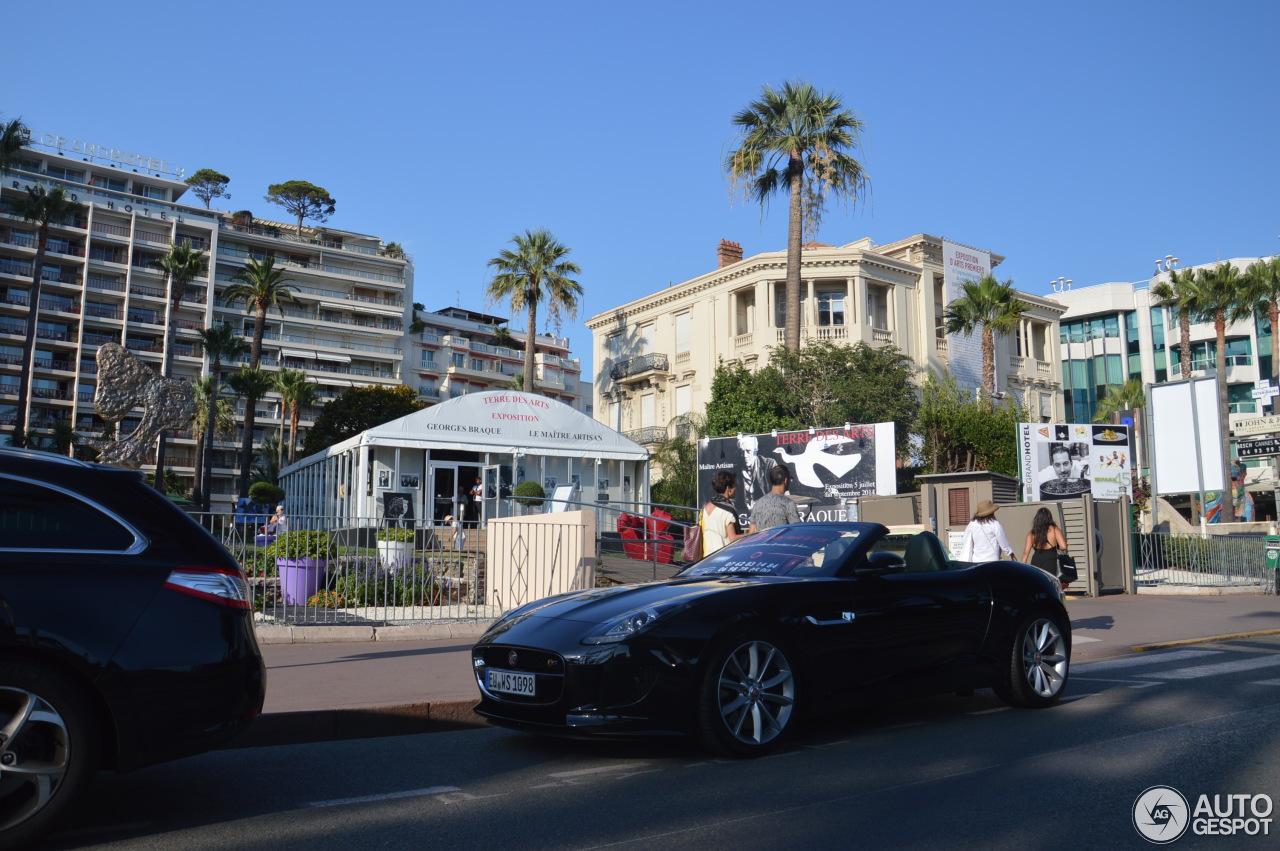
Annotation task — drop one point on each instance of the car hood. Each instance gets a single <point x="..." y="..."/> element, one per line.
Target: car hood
<point x="601" y="604"/>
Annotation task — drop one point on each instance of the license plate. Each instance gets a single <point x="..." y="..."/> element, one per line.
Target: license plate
<point x="510" y="682"/>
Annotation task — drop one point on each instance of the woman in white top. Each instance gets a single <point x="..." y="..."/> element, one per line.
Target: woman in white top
<point x="719" y="524"/>
<point x="984" y="537"/>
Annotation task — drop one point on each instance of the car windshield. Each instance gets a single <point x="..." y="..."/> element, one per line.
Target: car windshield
<point x="787" y="551"/>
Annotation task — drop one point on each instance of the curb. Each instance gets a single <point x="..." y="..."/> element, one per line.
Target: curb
<point x="331" y="725"/>
<point x="322" y="634"/>
<point x="1185" y="641"/>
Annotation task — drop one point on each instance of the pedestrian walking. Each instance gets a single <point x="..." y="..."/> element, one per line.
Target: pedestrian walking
<point x="1044" y="542"/>
<point x="775" y="508"/>
<point x="719" y="524"/>
<point x="984" y="538"/>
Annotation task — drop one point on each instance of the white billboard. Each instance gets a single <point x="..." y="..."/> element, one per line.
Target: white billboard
<point x="962" y="264"/>
<point x="1184" y="413"/>
<point x="1064" y="460"/>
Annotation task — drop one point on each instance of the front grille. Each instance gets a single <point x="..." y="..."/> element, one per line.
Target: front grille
<point x="547" y="668"/>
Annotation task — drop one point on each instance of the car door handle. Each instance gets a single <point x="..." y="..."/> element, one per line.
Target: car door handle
<point x="845" y="617"/>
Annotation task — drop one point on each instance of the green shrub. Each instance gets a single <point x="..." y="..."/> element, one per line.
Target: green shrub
<point x="395" y="533"/>
<point x="529" y="492"/>
<point x="408" y="587"/>
<point x="303" y="544"/>
<point x="266" y="493"/>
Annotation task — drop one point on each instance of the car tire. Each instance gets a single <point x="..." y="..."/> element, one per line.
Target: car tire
<point x="747" y="698"/>
<point x="49" y="753"/>
<point x="1039" y="663"/>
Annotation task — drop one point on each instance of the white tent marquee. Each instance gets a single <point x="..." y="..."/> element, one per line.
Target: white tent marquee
<point x="430" y="459"/>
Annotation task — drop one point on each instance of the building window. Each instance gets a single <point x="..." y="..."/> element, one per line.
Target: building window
<point x="458" y="359"/>
<point x="428" y="356"/>
<point x="744" y="311"/>
<point x="683" y="327"/>
<point x="878" y="306"/>
<point x="831" y="308"/>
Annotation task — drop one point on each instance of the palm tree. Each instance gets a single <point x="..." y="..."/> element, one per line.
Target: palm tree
<point x="996" y="308"/>
<point x="182" y="264"/>
<point x="251" y="384"/>
<point x="1221" y="298"/>
<point x="220" y="343"/>
<point x="1120" y="397"/>
<point x="799" y="141"/>
<point x="1179" y="295"/>
<point x="223" y="416"/>
<point x="536" y="270"/>
<point x="260" y="285"/>
<point x="14" y="135"/>
<point x="1262" y="281"/>
<point x="43" y="208"/>
<point x="297" y="391"/>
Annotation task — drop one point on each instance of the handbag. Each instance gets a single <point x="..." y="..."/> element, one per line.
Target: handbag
<point x="1067" y="569"/>
<point x="692" y="550"/>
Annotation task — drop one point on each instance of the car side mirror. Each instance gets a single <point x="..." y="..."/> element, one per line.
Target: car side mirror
<point x="885" y="562"/>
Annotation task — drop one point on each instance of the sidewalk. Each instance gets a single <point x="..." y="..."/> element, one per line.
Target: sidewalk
<point x="328" y="682"/>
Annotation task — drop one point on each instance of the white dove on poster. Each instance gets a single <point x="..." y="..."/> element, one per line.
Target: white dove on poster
<point x="814" y="455"/>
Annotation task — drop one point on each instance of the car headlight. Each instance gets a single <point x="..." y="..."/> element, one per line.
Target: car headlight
<point x="632" y="623"/>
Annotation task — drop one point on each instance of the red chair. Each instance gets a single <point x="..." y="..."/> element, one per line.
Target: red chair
<point x="630" y="528"/>
<point x="658" y="531"/>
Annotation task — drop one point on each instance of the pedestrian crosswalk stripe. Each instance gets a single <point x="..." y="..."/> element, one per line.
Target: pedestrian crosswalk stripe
<point x="1145" y="659"/>
<point x="1196" y="671"/>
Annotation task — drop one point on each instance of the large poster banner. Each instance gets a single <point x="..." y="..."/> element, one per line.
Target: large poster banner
<point x="1062" y="461"/>
<point x="961" y="264"/>
<point x="828" y="465"/>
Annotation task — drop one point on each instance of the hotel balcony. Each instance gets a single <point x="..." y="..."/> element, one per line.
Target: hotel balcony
<point x="640" y="369"/>
<point x="647" y="436"/>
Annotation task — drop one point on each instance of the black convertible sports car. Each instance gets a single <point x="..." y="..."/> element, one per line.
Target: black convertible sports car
<point x="791" y="621"/>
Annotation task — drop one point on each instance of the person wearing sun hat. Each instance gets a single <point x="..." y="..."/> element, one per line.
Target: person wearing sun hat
<point x="458" y="535"/>
<point x="984" y="538"/>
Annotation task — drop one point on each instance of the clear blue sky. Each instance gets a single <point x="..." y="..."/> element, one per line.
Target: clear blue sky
<point x="1078" y="139"/>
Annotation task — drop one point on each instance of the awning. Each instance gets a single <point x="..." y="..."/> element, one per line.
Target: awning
<point x="332" y="306"/>
<point x="337" y="358"/>
<point x="362" y="306"/>
<point x="294" y="353"/>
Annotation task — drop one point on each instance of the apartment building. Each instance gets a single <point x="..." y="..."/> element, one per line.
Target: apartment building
<point x="462" y="351"/>
<point x="100" y="285"/>
<point x="656" y="356"/>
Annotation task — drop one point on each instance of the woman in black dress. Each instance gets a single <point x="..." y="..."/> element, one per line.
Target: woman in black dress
<point x="1044" y="542"/>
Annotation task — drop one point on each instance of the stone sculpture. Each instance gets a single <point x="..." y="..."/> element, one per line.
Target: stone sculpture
<point x="125" y="383"/>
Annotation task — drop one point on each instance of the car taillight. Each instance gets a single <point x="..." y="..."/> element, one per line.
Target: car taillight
<point x="220" y="585"/>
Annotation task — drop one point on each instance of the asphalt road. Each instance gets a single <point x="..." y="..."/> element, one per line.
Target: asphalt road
<point x="939" y="773"/>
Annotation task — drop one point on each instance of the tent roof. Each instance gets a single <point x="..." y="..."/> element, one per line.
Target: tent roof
<point x="502" y="421"/>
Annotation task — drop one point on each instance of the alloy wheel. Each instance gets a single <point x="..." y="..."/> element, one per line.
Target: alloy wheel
<point x="756" y="692"/>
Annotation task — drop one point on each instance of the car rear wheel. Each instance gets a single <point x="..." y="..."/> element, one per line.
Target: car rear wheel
<point x="48" y="750"/>
<point x="747" y="702"/>
<point x="1039" y="663"/>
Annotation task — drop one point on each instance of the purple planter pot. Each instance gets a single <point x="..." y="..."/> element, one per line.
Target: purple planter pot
<point x="299" y="579"/>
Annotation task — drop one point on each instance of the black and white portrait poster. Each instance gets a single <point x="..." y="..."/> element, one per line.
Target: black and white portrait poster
<point x="828" y="466"/>
<point x="397" y="509"/>
<point x="1060" y="461"/>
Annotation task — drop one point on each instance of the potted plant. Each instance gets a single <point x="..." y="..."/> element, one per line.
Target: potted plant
<point x="395" y="546"/>
<point x="301" y="557"/>
<point x="529" y="493"/>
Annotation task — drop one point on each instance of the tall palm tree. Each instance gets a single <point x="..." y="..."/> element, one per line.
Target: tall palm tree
<point x="250" y="383"/>
<point x="1120" y="397"/>
<point x="1262" y="281"/>
<point x="14" y="135"/>
<point x="220" y="343"/>
<point x="1180" y="295"/>
<point x="799" y="141"/>
<point x="208" y="406"/>
<point x="260" y="285"/>
<point x="43" y="208"/>
<point x="993" y="306"/>
<point x="182" y="264"/>
<point x="1222" y="296"/>
<point x="535" y="271"/>
<point x="297" y="391"/>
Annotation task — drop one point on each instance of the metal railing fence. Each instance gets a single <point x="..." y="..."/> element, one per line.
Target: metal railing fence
<point x="1190" y="560"/>
<point x="356" y="571"/>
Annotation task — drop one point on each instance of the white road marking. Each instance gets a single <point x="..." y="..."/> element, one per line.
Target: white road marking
<point x="1266" y="683"/>
<point x="1082" y="639"/>
<point x="388" y="796"/>
<point x="1145" y="659"/>
<point x="605" y="769"/>
<point x="990" y="711"/>
<point x="1197" y="671"/>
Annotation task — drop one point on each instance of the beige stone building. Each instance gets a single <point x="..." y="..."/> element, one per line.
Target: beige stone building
<point x="655" y="357"/>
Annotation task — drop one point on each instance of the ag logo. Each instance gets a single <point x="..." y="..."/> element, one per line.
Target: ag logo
<point x="1161" y="814"/>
